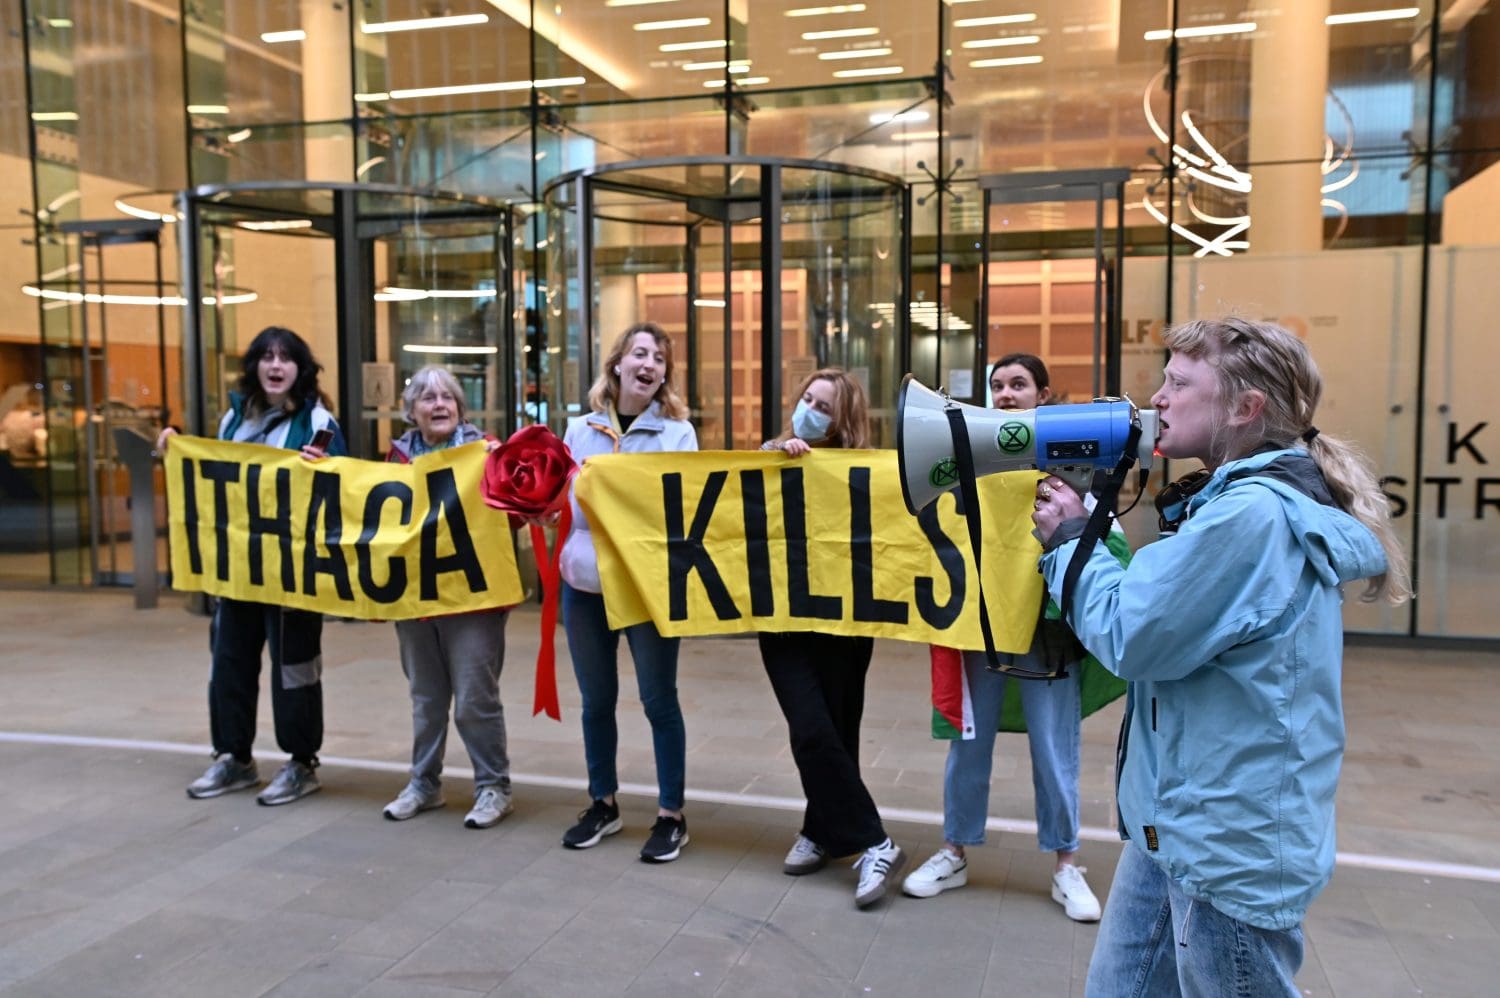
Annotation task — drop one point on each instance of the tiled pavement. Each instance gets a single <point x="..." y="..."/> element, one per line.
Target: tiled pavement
<point x="112" y="882"/>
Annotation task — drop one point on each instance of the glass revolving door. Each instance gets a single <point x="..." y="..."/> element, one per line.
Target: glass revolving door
<point x="379" y="280"/>
<point x="762" y="270"/>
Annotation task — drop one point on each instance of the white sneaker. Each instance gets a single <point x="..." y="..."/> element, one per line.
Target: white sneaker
<point x="411" y="802"/>
<point x="490" y="805"/>
<point x="943" y="872"/>
<point x="805" y="856"/>
<point x="876" y="866"/>
<point x="1070" y="890"/>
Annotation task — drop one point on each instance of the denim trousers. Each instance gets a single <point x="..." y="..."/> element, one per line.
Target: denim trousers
<point x="239" y="634"/>
<point x="595" y="652"/>
<point x="1052" y="719"/>
<point x="1156" y="940"/>
<point x="819" y="681"/>
<point x="456" y="659"/>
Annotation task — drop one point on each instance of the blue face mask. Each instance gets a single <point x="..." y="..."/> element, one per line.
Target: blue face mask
<point x="809" y="424"/>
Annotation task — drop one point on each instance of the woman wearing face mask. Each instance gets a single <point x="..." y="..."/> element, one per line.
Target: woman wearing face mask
<point x="635" y="410"/>
<point x="1052" y="710"/>
<point x="819" y="680"/>
<point x="279" y="404"/>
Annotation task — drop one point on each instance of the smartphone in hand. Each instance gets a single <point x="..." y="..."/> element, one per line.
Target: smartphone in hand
<point x="322" y="439"/>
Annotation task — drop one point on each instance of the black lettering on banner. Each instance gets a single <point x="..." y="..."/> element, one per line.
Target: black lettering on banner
<point x="1482" y="498"/>
<point x="940" y="615"/>
<point x="867" y="606"/>
<point x="190" y="517"/>
<point x="278" y="525"/>
<point x="1465" y="442"/>
<point x="443" y="503"/>
<point x="757" y="544"/>
<point x="1442" y="493"/>
<point x="686" y="552"/>
<point x="1397" y="501"/>
<point x="325" y="502"/>
<point x="395" y="583"/>
<point x="221" y="473"/>
<point x="801" y="601"/>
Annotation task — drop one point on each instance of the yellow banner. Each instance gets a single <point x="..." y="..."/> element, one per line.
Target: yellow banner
<point x="718" y="542"/>
<point x="360" y="539"/>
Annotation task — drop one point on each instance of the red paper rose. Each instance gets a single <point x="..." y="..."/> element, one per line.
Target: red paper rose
<point x="528" y="474"/>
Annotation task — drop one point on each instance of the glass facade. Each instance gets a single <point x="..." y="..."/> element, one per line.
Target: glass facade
<point x="1334" y="164"/>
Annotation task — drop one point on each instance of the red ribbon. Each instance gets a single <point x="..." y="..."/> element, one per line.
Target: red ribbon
<point x="544" y="698"/>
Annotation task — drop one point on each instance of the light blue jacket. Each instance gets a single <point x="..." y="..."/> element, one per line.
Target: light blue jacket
<point x="595" y="433"/>
<point x="1231" y="635"/>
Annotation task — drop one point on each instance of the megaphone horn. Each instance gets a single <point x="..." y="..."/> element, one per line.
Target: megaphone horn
<point x="1070" y="441"/>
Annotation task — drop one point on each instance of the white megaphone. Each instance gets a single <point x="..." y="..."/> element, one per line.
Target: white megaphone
<point x="1069" y="441"/>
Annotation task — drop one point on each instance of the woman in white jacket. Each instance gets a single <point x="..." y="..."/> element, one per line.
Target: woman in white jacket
<point x="635" y="410"/>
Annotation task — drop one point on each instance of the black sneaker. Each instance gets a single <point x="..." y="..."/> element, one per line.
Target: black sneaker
<point x="668" y="836"/>
<point x="599" y="820"/>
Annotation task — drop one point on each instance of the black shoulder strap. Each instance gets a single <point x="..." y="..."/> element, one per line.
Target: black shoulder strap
<point x="1099" y="519"/>
<point x="963" y="455"/>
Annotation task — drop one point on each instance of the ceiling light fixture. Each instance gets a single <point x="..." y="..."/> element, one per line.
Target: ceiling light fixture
<point x="818" y="36"/>
<point x="854" y="54"/>
<point x="682" y="22"/>
<point x="1396" y="14"/>
<point x="54" y="116"/>
<point x="208" y="109"/>
<point x="369" y="98"/>
<point x="843" y="8"/>
<point x="711" y="43"/>
<point x="1014" y="60"/>
<point x="427" y="348"/>
<point x="239" y="136"/>
<point x="634" y="3"/>
<point x="710" y="302"/>
<point x="1202" y="31"/>
<point x="278" y="225"/>
<point x="993" y="43"/>
<point x="985" y="22"/>
<point x="423" y="23"/>
<point x="485" y="88"/>
<point x="744" y="81"/>
<point x="850" y="74"/>
<point x="882" y="117"/>
<point x="738" y="66"/>
<point x="293" y="35"/>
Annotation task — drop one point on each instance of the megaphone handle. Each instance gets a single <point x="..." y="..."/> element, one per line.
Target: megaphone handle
<point x="968" y="485"/>
<point x="1098" y="524"/>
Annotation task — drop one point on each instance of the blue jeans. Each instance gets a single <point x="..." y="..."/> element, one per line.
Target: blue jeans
<point x="1052" y="718"/>
<point x="1155" y="940"/>
<point x="595" y="649"/>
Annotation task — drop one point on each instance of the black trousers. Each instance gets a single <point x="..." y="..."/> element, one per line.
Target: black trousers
<point x="239" y="633"/>
<point x="819" y="680"/>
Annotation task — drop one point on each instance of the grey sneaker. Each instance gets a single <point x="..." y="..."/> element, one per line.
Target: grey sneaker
<point x="226" y="775"/>
<point x="490" y="805"/>
<point x="411" y="802"/>
<point x="805" y="856"/>
<point x="877" y="865"/>
<point x="292" y="782"/>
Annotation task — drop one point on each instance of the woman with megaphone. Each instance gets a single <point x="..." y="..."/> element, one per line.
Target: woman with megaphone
<point x="1050" y="713"/>
<point x="1230" y="631"/>
<point x="819" y="679"/>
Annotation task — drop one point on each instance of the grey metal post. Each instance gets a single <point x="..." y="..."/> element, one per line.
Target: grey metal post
<point x="135" y="450"/>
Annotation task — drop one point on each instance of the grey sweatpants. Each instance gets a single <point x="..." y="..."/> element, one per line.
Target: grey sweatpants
<point x="456" y="659"/>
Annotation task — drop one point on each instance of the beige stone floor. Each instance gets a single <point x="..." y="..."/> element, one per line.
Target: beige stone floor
<point x="112" y="882"/>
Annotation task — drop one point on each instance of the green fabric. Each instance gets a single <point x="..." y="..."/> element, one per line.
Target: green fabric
<point x="1097" y="687"/>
